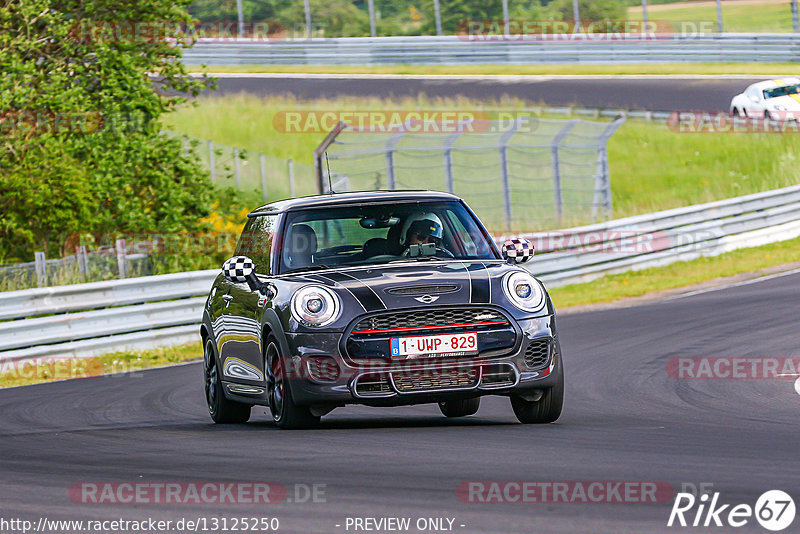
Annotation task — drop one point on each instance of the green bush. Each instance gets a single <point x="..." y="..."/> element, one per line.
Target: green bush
<point x="82" y="152"/>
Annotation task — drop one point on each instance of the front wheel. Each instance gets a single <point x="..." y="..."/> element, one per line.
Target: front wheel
<point x="285" y="412"/>
<point x="460" y="408"/>
<point x="221" y="410"/>
<point x="544" y="410"/>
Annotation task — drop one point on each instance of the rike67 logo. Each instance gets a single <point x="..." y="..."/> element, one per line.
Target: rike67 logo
<point x="774" y="510"/>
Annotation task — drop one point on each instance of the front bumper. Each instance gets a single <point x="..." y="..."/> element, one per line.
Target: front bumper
<point x="522" y="368"/>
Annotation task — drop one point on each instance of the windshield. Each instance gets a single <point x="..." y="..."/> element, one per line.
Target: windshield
<point x="782" y="91"/>
<point x="381" y="233"/>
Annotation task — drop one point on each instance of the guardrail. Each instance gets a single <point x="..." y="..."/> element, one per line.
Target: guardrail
<point x="460" y="50"/>
<point x="88" y="319"/>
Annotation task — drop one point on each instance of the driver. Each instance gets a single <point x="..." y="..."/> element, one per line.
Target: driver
<point x="421" y="228"/>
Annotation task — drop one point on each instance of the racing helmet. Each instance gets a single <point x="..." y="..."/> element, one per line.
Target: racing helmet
<point x="423" y="224"/>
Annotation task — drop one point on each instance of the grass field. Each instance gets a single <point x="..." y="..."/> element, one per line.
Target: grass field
<point x="736" y="16"/>
<point x="119" y="362"/>
<point x="652" y="168"/>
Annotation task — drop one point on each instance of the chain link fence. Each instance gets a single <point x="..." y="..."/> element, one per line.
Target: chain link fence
<point x="517" y="175"/>
<point x="265" y="176"/>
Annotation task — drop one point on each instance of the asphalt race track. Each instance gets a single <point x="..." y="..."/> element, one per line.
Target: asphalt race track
<point x="623" y="92"/>
<point x="624" y="419"/>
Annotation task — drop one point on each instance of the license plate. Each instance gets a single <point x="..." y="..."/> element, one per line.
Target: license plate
<point x="440" y="345"/>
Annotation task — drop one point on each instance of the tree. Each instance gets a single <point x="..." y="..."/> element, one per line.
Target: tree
<point x="457" y="14"/>
<point x="590" y="10"/>
<point x="337" y="18"/>
<point x="79" y="119"/>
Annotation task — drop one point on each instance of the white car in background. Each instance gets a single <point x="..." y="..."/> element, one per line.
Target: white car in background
<point x="771" y="99"/>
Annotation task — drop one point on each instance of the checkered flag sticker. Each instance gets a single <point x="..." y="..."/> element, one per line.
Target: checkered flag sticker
<point x="517" y="249"/>
<point x="238" y="268"/>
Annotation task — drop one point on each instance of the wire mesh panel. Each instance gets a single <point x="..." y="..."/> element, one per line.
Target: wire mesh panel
<point x="266" y="176"/>
<point x="516" y="174"/>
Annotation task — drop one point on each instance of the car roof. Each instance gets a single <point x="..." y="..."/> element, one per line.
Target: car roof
<point x="355" y="198"/>
<point x="776" y="82"/>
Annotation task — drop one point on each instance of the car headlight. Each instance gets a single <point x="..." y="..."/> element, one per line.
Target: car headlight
<point x="315" y="306"/>
<point x="524" y="291"/>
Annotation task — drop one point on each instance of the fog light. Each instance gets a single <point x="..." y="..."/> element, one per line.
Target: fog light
<point x="323" y="368"/>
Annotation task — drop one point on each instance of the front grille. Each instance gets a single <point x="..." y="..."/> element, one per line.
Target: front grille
<point x="435" y="379"/>
<point x="538" y="353"/>
<point x="373" y="386"/>
<point x="427" y="318"/>
<point x="497" y="376"/>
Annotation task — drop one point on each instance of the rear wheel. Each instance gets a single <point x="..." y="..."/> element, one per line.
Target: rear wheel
<point x="460" y="408"/>
<point x="220" y="409"/>
<point x="546" y="409"/>
<point x="285" y="412"/>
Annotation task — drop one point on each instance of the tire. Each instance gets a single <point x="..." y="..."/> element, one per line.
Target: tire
<point x="546" y="410"/>
<point x="460" y="408"/>
<point x="737" y="113"/>
<point x="285" y="413"/>
<point x="221" y="410"/>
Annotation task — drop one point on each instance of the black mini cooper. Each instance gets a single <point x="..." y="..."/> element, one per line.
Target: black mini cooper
<point x="383" y="299"/>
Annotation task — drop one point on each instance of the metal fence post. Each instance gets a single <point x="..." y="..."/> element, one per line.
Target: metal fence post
<point x="391" y="180"/>
<point x="236" y="167"/>
<point x="291" y="177"/>
<point x="558" y="198"/>
<point x="719" y="17"/>
<point x="449" y="181"/>
<point x="41" y="269"/>
<point x="602" y="183"/>
<point x="211" y="161"/>
<point x="307" y="9"/>
<point x="644" y="12"/>
<point x="121" y="261"/>
<point x="795" y="20"/>
<point x="504" y="174"/>
<point x="263" y="166"/>
<point x="83" y="260"/>
<point x="506" y="20"/>
<point x="437" y="17"/>
<point x="240" y="18"/>
<point x="371" y="9"/>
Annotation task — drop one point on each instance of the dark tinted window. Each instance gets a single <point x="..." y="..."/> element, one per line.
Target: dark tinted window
<point x="256" y="241"/>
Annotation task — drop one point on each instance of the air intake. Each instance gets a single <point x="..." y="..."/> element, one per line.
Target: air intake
<point x="423" y="290"/>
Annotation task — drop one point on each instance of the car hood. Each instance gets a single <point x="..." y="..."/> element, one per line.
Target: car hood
<point x="788" y="102"/>
<point x="417" y="283"/>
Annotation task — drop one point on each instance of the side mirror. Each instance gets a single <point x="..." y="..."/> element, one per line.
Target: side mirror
<point x="517" y="250"/>
<point x="241" y="269"/>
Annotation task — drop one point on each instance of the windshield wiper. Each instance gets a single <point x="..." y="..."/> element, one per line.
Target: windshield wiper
<point x="317" y="267"/>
